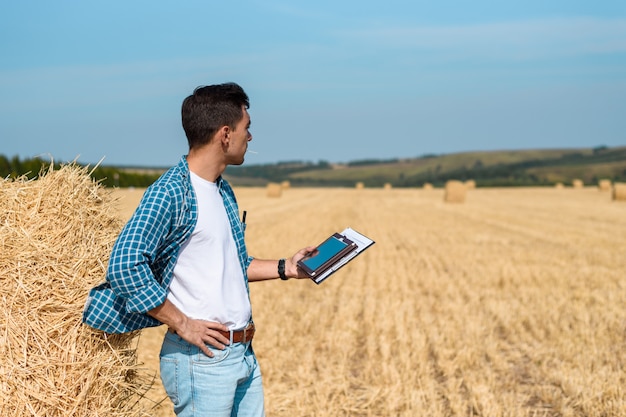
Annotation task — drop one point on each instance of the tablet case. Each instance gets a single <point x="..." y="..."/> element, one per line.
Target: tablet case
<point x="333" y="257"/>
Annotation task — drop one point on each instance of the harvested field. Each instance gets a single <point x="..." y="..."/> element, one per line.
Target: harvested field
<point x="511" y="304"/>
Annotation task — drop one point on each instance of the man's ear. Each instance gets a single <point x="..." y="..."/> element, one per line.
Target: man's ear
<point x="224" y="135"/>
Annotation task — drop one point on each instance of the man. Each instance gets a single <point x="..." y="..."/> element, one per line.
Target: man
<point x="181" y="260"/>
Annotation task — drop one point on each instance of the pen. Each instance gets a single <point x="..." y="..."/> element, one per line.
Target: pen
<point x="243" y="218"/>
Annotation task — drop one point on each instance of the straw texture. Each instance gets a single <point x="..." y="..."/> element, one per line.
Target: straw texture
<point x="274" y="190"/>
<point x="619" y="191"/>
<point x="604" y="185"/>
<point x="454" y="192"/>
<point x="56" y="234"/>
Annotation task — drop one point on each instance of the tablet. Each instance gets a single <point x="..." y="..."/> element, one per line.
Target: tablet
<point x="326" y="254"/>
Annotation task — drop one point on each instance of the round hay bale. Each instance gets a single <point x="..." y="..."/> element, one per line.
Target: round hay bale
<point x="274" y="190"/>
<point x="559" y="185"/>
<point x="604" y="185"/>
<point x="454" y="192"/>
<point x="56" y="236"/>
<point x="387" y="186"/>
<point x="428" y="186"/>
<point x="359" y="185"/>
<point x="285" y="185"/>
<point x="578" y="183"/>
<point x="619" y="191"/>
<point x="470" y="184"/>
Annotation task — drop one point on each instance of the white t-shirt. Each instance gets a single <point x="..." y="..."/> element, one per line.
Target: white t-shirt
<point x="208" y="282"/>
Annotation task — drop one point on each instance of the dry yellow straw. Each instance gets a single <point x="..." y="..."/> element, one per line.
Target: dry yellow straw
<point x="578" y="183"/>
<point x="604" y="185"/>
<point x="274" y="190"/>
<point x="454" y="192"/>
<point x="56" y="233"/>
<point x="619" y="191"/>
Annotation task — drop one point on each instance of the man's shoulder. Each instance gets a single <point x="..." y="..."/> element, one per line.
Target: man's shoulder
<point x="174" y="182"/>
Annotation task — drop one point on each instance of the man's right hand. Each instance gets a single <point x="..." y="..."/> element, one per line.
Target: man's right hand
<point x="202" y="333"/>
<point x="197" y="332"/>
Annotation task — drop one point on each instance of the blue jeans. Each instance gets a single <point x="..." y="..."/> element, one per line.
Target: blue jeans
<point x="226" y="385"/>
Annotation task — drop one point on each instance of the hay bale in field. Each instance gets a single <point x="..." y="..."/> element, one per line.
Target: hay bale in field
<point x="428" y="186"/>
<point x="470" y="184"/>
<point x="387" y="186"/>
<point x="559" y="185"/>
<point x="359" y="186"/>
<point x="578" y="183"/>
<point x="619" y="191"/>
<point x="274" y="190"/>
<point x="604" y="185"/>
<point x="285" y="185"/>
<point x="454" y="192"/>
<point x="56" y="236"/>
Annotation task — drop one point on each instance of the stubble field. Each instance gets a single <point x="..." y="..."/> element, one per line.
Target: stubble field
<point x="510" y="304"/>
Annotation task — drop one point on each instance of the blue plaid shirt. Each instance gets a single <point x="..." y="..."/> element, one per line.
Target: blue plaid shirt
<point x="144" y="255"/>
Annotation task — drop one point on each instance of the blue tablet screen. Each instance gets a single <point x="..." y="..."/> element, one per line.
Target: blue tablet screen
<point x="326" y="250"/>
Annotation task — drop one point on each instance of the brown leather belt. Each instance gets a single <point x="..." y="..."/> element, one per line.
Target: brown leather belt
<point x="238" y="336"/>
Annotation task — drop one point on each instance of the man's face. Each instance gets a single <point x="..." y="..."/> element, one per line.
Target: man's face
<point x="240" y="136"/>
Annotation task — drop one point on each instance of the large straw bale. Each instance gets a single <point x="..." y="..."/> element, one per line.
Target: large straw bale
<point x="359" y="185"/>
<point x="428" y="186"/>
<point x="604" y="185"/>
<point x="470" y="184"/>
<point x="454" y="192"/>
<point x="578" y="183"/>
<point x="56" y="234"/>
<point x="619" y="191"/>
<point x="274" y="190"/>
<point x="285" y="185"/>
<point x="387" y="186"/>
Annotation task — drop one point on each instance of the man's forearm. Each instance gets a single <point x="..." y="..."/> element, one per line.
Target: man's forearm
<point x="264" y="269"/>
<point x="167" y="313"/>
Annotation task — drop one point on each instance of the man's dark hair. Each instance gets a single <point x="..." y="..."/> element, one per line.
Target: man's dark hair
<point x="209" y="108"/>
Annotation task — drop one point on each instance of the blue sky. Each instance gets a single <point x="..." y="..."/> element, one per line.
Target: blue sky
<point x="328" y="80"/>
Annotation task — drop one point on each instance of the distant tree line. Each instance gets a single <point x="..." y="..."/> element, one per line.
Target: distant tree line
<point x="108" y="176"/>
<point x="523" y="173"/>
<point x="275" y="172"/>
<point x="517" y="173"/>
<point x="364" y="162"/>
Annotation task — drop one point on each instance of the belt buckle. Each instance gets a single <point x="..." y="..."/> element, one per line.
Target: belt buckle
<point x="248" y="328"/>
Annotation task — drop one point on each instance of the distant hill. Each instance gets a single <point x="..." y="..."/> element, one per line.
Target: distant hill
<point x="489" y="168"/>
<point x="538" y="167"/>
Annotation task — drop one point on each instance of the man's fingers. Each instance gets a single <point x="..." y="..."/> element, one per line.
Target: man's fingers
<point x="205" y="333"/>
<point x="206" y="350"/>
<point x="221" y="339"/>
<point x="207" y="341"/>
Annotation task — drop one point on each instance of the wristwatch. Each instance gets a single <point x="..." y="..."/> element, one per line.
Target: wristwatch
<point x="281" y="269"/>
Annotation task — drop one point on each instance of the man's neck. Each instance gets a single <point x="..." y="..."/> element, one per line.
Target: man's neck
<point x="206" y="164"/>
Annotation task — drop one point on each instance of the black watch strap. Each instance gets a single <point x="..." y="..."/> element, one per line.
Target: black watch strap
<point x="281" y="269"/>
